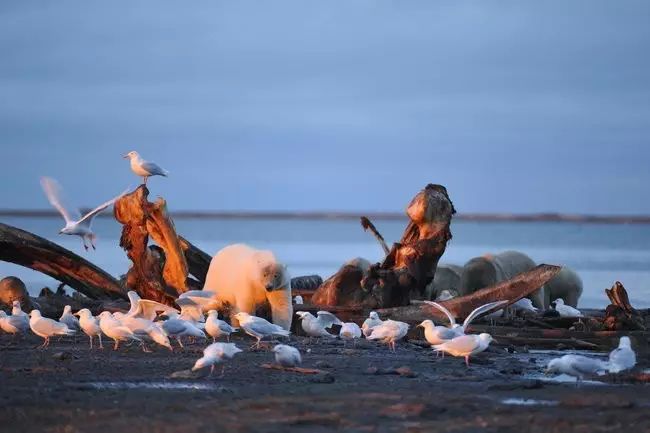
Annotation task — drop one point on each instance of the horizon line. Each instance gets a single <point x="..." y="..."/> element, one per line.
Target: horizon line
<point x="346" y="215"/>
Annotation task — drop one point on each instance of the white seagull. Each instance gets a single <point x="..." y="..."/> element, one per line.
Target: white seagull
<point x="69" y="319"/>
<point x="145" y="308"/>
<point x="259" y="328"/>
<point x="114" y="329"/>
<point x="317" y="326"/>
<point x="75" y="224"/>
<point x="214" y="354"/>
<point x="216" y="327"/>
<point x="389" y="332"/>
<point x="298" y="300"/>
<point x="372" y="321"/>
<point x="566" y="310"/>
<point x="17" y="311"/>
<point x="465" y="345"/>
<point x="577" y="366"/>
<point x="144" y="329"/>
<point x="287" y="356"/>
<point x="143" y="168"/>
<point x="350" y="331"/>
<point x="14" y="324"/>
<point x="461" y="329"/>
<point x="46" y="328"/>
<point x="90" y="326"/>
<point x="177" y="328"/>
<point x="623" y="357"/>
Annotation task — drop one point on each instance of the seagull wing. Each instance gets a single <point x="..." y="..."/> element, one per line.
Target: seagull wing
<point x="55" y="196"/>
<point x="190" y="310"/>
<point x="49" y="327"/>
<point x="147" y="309"/>
<point x="327" y="319"/>
<point x="88" y="218"/>
<point x="203" y="298"/>
<point x="153" y="168"/>
<point x="462" y="345"/>
<point x="452" y="320"/>
<point x="481" y="310"/>
<point x="264" y="327"/>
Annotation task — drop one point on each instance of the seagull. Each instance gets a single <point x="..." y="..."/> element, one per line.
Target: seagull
<point x="576" y="365"/>
<point x="372" y="321"/>
<point x="524" y="304"/>
<point x="623" y="357"/>
<point x="216" y="327"/>
<point x="69" y="319"/>
<point x="176" y="327"/>
<point x="258" y="328"/>
<point x="17" y="311"/>
<point x="298" y="300"/>
<point x="461" y="329"/>
<point x="143" y="168"/>
<point x="350" y="331"/>
<point x="114" y="329"/>
<point x="14" y="324"/>
<point x="214" y="354"/>
<point x="287" y="356"/>
<point x="465" y="345"/>
<point x="145" y="308"/>
<point x="438" y="334"/>
<point x="75" y="224"/>
<point x="205" y="299"/>
<point x="389" y="332"/>
<point x="90" y="326"/>
<point x="46" y="328"/>
<point x="317" y="326"/>
<point x="445" y="295"/>
<point x="566" y="310"/>
<point x="144" y="329"/>
<point x="191" y="311"/>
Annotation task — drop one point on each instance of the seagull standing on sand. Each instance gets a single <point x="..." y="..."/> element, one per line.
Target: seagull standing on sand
<point x="577" y="366"/>
<point x="389" y="332"/>
<point x="287" y="356"/>
<point x="144" y="329"/>
<point x="566" y="310"/>
<point x="216" y="327"/>
<point x="69" y="319"/>
<point x="46" y="328"/>
<point x="437" y="334"/>
<point x="317" y="326"/>
<point x="623" y="357"/>
<point x="350" y="331"/>
<point x="259" y="328"/>
<point x="14" y="324"/>
<point x="90" y="326"/>
<point x="114" y="329"/>
<point x="16" y="310"/>
<point x="177" y="328"/>
<point x="75" y="224"/>
<point x="372" y="321"/>
<point x="465" y="345"/>
<point x="214" y="354"/>
<point x="143" y="168"/>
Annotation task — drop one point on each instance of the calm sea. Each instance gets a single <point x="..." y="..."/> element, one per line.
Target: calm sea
<point x="601" y="254"/>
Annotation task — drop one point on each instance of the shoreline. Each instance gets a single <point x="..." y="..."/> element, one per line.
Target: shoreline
<point x="340" y="215"/>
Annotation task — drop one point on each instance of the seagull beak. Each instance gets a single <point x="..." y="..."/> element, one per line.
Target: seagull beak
<point x="125" y="156"/>
<point x="494" y="340"/>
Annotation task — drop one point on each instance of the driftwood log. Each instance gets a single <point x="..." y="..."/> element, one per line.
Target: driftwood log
<point x="409" y="265"/>
<point x="620" y="314"/>
<point x="34" y="252"/>
<point x="159" y="272"/>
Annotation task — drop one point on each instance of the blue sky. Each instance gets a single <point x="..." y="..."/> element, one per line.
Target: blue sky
<point x="515" y="106"/>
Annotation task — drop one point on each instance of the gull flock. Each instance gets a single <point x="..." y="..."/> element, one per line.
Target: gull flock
<point x="150" y="322"/>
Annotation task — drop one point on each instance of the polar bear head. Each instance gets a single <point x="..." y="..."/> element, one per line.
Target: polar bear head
<point x="273" y="275"/>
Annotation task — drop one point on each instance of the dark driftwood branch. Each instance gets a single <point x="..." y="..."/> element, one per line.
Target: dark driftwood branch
<point x="300" y="370"/>
<point x="620" y="314"/>
<point x="26" y="249"/>
<point x="511" y="290"/>
<point x="409" y="265"/>
<point x="198" y="261"/>
<point x="368" y="225"/>
<point x="158" y="272"/>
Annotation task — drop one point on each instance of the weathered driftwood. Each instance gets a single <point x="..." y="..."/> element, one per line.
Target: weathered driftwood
<point x="409" y="265"/>
<point x="158" y="272"/>
<point x="620" y="314"/>
<point x="511" y="290"/>
<point x="32" y="251"/>
<point x="300" y="370"/>
<point x="198" y="261"/>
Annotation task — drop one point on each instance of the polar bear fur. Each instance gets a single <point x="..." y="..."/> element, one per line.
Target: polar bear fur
<point x="447" y="278"/>
<point x="566" y="285"/>
<point x="490" y="269"/>
<point x="245" y="279"/>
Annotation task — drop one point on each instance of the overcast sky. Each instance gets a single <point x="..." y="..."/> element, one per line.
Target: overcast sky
<point x="515" y="106"/>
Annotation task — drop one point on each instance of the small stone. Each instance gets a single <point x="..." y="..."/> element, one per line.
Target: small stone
<point x="322" y="378"/>
<point x="189" y="374"/>
<point x="322" y="364"/>
<point x="63" y="356"/>
<point x="405" y="372"/>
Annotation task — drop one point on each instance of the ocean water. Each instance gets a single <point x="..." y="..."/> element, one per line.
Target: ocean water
<point x="601" y="254"/>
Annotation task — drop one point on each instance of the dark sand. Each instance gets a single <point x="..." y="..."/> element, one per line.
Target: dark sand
<point x="68" y="388"/>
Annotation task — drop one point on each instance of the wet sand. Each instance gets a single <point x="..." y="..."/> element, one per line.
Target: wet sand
<point x="68" y="388"/>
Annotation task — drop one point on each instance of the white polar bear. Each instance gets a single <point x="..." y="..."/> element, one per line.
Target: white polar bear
<point x="244" y="279"/>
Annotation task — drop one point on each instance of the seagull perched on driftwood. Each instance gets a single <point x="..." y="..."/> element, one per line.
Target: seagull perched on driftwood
<point x="144" y="169"/>
<point x="75" y="224"/>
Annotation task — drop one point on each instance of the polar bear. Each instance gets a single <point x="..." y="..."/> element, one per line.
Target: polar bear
<point x="245" y="279"/>
<point x="566" y="285"/>
<point x="490" y="269"/>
